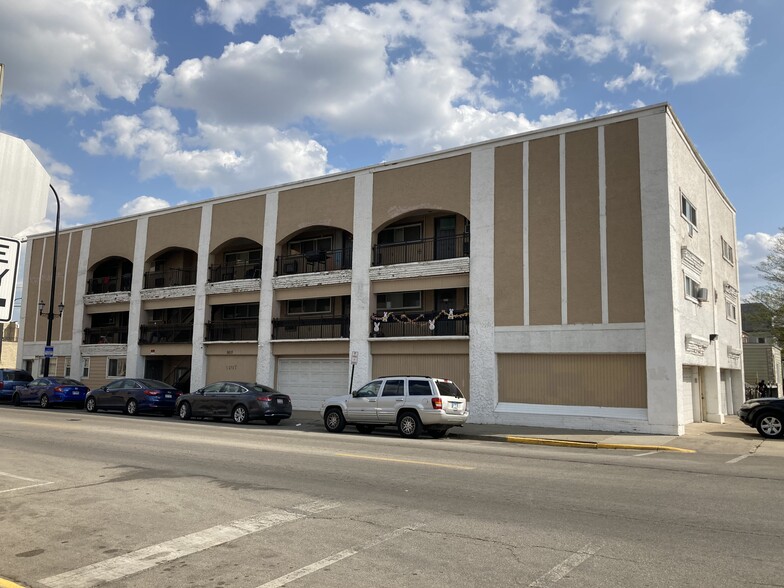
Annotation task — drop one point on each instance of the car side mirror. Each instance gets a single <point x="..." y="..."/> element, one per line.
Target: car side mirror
<point x="199" y="392"/>
<point x="354" y="394"/>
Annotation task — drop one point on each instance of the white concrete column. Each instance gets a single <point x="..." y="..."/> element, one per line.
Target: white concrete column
<point x="199" y="353"/>
<point x="265" y="367"/>
<point x="360" y="278"/>
<point x="482" y="359"/>
<point x="134" y="365"/>
<point x="664" y="346"/>
<point x="77" y="333"/>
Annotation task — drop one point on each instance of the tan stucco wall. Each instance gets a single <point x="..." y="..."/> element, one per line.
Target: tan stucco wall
<point x="329" y="204"/>
<point x="175" y="229"/>
<point x="238" y="218"/>
<point x="117" y="240"/>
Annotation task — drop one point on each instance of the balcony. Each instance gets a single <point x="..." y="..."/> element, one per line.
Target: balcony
<point x="232" y="330"/>
<point x="237" y="271"/>
<point x="166" y="333"/>
<point x="420" y="324"/>
<point x="335" y="327"/>
<point x="105" y="335"/>
<point x="108" y="284"/>
<point x="169" y="277"/>
<point x="422" y="250"/>
<point x="314" y="261"/>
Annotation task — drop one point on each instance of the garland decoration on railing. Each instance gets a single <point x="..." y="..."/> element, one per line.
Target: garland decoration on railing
<point x="421" y="319"/>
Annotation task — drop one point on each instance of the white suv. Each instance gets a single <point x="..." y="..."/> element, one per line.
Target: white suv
<point x="412" y="403"/>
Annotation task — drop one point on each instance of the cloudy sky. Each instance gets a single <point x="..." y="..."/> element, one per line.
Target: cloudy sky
<point x="134" y="105"/>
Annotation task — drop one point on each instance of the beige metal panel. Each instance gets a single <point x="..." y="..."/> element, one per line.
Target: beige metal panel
<point x="329" y="204"/>
<point x="624" y="223"/>
<point x="46" y="285"/>
<point x="232" y="298"/>
<point x="234" y="348"/>
<point x="442" y="184"/>
<point x="450" y="367"/>
<point x="182" y="302"/>
<point x="74" y="243"/>
<point x="509" y="235"/>
<point x="325" y="291"/>
<point x="231" y="367"/>
<point x="583" y="255"/>
<point x="432" y="345"/>
<point x="32" y="288"/>
<point x="117" y="240"/>
<point x="102" y="308"/>
<point x="238" y="218"/>
<point x="174" y="229"/>
<point x="423" y="283"/>
<point x="310" y="348"/>
<point x="165" y="349"/>
<point x="609" y="380"/>
<point x="544" y="232"/>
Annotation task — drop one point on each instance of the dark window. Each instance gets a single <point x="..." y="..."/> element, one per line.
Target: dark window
<point x="402" y="234"/>
<point x="393" y="388"/>
<point x="369" y="390"/>
<point x="448" y="389"/>
<point x="213" y="388"/>
<point x="419" y="388"/>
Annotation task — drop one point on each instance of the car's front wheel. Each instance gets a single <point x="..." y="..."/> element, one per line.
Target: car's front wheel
<point x="43" y="402"/>
<point x="409" y="425"/>
<point x="334" y="421"/>
<point x="240" y="414"/>
<point x="91" y="405"/>
<point x="132" y="408"/>
<point x="770" y="425"/>
<point x="185" y="411"/>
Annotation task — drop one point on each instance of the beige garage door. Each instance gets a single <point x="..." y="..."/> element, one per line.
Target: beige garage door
<point x="310" y="381"/>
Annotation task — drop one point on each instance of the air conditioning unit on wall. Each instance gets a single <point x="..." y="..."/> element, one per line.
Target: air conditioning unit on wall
<point x="702" y="294"/>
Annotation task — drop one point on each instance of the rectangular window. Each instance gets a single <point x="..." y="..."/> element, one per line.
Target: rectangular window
<point x="27" y="365"/>
<point x="232" y="312"/>
<point x="688" y="211"/>
<point x="401" y="234"/>
<point x="308" y="245"/>
<point x="727" y="252"/>
<point x="115" y="367"/>
<point x="85" y="367"/>
<point x="309" y="306"/>
<point x="732" y="311"/>
<point x="67" y="369"/>
<point x="691" y="287"/>
<point x="399" y="301"/>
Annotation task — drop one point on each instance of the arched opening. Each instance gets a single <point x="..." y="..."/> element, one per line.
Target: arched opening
<point x="112" y="274"/>
<point x="419" y="236"/>
<point x="171" y="267"/>
<point x="315" y="249"/>
<point x="236" y="259"/>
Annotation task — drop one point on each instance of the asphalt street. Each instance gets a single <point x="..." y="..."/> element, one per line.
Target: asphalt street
<point x="110" y="500"/>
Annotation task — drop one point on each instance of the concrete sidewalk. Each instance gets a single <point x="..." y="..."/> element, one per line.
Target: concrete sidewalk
<point x="733" y="437"/>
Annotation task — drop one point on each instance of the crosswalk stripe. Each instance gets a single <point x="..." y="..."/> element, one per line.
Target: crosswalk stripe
<point x="149" y="557"/>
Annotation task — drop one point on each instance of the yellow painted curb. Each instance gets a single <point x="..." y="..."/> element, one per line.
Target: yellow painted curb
<point x="9" y="584"/>
<point x="592" y="444"/>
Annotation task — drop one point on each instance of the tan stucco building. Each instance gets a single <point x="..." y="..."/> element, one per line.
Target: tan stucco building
<point x="595" y="261"/>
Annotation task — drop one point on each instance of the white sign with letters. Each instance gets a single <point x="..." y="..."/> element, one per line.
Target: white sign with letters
<point x="9" y="263"/>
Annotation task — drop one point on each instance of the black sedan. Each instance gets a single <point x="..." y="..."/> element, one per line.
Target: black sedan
<point x="132" y="396"/>
<point x="764" y="414"/>
<point x="239" y="401"/>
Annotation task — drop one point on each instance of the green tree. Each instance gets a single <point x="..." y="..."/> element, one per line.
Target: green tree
<point x="771" y="295"/>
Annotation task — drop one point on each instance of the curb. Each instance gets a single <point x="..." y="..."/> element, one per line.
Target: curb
<point x="9" y="584"/>
<point x="578" y="444"/>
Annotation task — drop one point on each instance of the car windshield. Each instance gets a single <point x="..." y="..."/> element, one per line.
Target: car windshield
<point x="448" y="389"/>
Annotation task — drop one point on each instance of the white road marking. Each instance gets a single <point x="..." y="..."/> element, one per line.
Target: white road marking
<point x="646" y="453"/>
<point x="148" y="557"/>
<point x="38" y="483"/>
<point x="740" y="457"/>
<point x="327" y="561"/>
<point x="565" y="566"/>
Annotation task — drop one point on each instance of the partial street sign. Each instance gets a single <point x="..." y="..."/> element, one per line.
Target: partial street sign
<point x="48" y="351"/>
<point x="9" y="264"/>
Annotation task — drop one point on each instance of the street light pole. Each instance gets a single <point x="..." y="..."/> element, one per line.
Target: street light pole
<point x="50" y="315"/>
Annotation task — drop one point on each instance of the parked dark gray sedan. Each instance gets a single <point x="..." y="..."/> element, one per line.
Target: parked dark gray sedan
<point x="132" y="396"/>
<point x="239" y="401"/>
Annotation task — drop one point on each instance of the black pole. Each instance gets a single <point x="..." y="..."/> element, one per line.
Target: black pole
<point x="351" y="383"/>
<point x="50" y="316"/>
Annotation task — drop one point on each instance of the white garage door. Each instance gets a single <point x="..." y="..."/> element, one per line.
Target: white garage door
<point x="310" y="381"/>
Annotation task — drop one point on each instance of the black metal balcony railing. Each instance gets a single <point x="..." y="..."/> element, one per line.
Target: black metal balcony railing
<point x="169" y="277"/>
<point x="109" y="284"/>
<point x="314" y="261"/>
<point x="419" y="324"/>
<point x="239" y="271"/>
<point x="166" y="333"/>
<point x="105" y="335"/>
<point x="422" y="250"/>
<point x="232" y="330"/>
<point x="334" y="327"/>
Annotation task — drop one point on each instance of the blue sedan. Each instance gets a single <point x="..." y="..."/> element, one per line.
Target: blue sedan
<point x="46" y="392"/>
<point x="132" y="396"/>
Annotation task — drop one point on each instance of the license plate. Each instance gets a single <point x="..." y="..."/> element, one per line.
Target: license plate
<point x="75" y="393"/>
<point x="280" y="401"/>
<point x="454" y="405"/>
<point x="167" y="396"/>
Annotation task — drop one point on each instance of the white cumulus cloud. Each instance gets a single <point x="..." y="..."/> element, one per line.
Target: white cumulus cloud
<point x="544" y="87"/>
<point x="753" y="248"/>
<point x="143" y="204"/>
<point x="70" y="53"/>
<point x="640" y="74"/>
